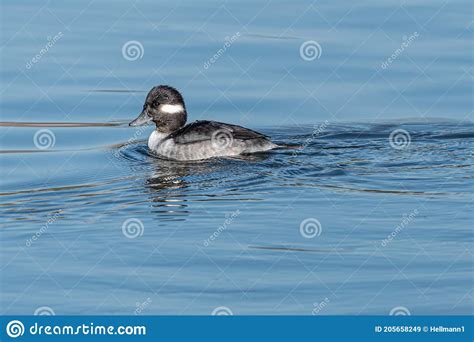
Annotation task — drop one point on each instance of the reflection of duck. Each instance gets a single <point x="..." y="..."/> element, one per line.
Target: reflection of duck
<point x="165" y="107"/>
<point x="173" y="182"/>
<point x="166" y="187"/>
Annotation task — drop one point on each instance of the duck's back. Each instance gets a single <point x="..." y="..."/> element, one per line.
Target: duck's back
<point x="207" y="139"/>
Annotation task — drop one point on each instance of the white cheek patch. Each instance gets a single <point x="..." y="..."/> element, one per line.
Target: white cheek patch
<point x="171" y="109"/>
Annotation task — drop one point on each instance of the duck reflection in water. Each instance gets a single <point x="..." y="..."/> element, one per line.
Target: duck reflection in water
<point x="172" y="181"/>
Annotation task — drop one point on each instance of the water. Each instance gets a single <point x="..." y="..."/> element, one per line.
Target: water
<point x="343" y="223"/>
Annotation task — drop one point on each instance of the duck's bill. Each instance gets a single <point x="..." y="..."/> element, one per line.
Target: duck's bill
<point x="143" y="119"/>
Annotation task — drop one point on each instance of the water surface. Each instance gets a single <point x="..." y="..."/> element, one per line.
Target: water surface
<point x="348" y="221"/>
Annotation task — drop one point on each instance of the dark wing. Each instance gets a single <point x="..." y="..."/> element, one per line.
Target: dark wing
<point x="198" y="131"/>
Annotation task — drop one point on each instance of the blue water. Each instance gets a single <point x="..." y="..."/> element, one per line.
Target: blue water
<point x="348" y="221"/>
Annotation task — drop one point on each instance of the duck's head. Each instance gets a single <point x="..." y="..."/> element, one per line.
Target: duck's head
<point x="163" y="106"/>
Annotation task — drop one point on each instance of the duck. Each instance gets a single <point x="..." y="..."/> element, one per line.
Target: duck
<point x="174" y="139"/>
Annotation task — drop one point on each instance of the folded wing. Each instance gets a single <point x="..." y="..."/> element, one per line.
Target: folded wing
<point x="200" y="131"/>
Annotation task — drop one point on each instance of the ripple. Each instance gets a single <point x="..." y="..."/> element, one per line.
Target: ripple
<point x="301" y="249"/>
<point x="342" y="160"/>
<point x="61" y="124"/>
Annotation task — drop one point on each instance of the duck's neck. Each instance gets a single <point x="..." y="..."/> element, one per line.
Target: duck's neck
<point x="168" y="121"/>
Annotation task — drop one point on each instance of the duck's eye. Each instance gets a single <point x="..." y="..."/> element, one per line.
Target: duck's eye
<point x="165" y="97"/>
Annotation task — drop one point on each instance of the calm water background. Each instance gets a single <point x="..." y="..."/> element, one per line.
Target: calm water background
<point x="78" y="193"/>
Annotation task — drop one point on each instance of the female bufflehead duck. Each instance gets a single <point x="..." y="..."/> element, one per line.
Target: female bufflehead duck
<point x="165" y="107"/>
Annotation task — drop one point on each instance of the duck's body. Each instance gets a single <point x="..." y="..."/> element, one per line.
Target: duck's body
<point x="207" y="139"/>
<point x="195" y="141"/>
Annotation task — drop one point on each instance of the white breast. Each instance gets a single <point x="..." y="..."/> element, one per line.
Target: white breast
<point x="155" y="139"/>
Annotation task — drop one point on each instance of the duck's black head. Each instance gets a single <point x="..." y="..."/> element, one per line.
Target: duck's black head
<point x="164" y="106"/>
